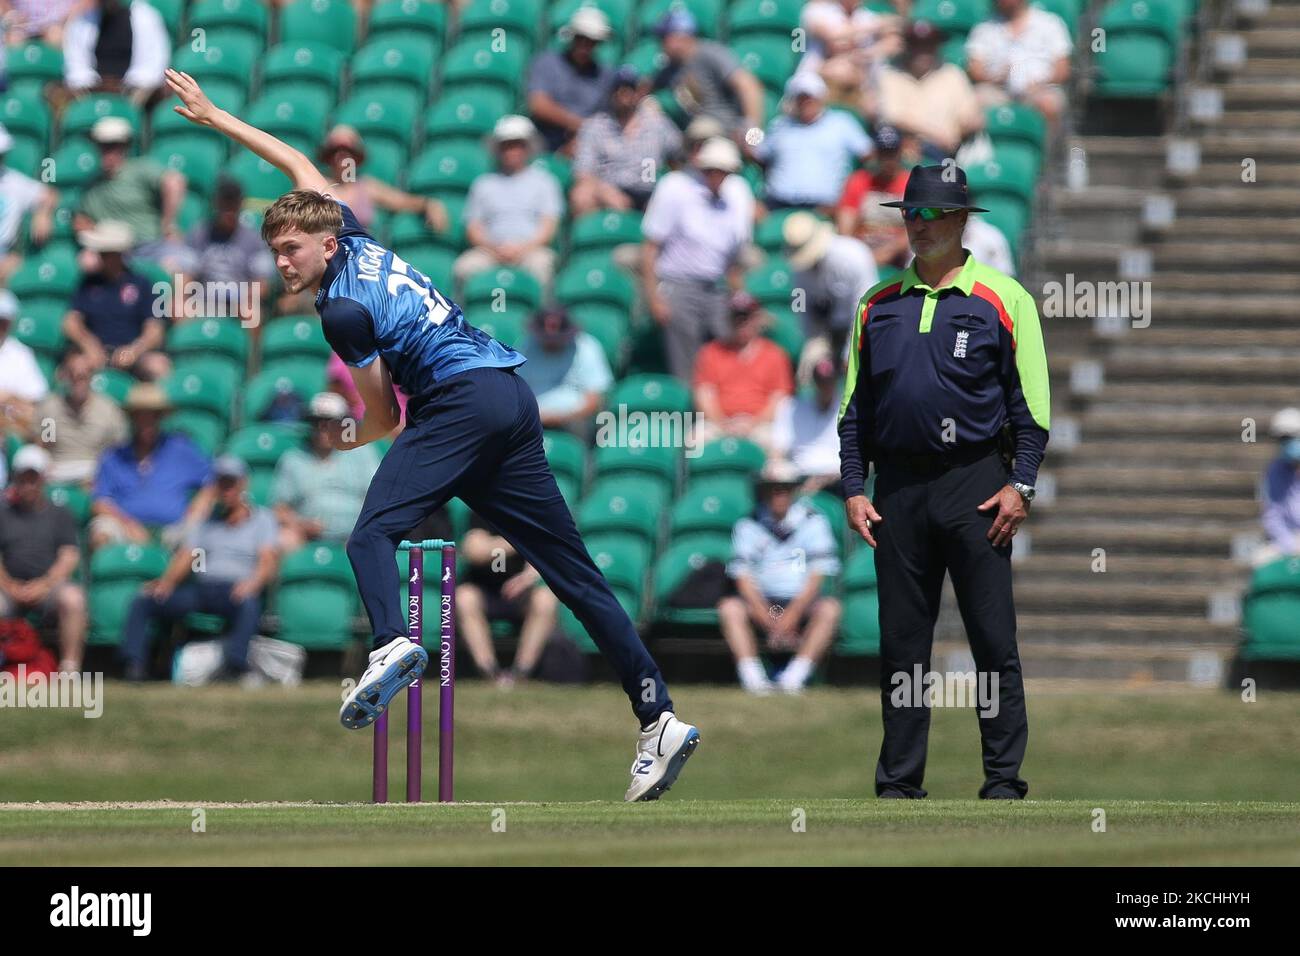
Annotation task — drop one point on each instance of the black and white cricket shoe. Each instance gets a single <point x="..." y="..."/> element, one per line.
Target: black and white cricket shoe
<point x="661" y="752"/>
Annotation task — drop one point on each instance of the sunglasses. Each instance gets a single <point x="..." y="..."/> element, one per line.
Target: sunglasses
<point x="922" y="212"/>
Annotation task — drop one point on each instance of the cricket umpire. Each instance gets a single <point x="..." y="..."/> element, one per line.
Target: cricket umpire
<point x="946" y="387"/>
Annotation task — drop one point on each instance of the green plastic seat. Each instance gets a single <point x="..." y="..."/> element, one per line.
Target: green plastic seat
<point x="26" y="116"/>
<point x="860" y="571"/>
<point x="248" y="17"/>
<point x="647" y="57"/>
<point x="39" y="326"/>
<point x="675" y="565"/>
<point x="303" y="64"/>
<point x="623" y="505"/>
<point x="594" y="280"/>
<point x="169" y="127"/>
<point x="194" y="158"/>
<point x="517" y="17"/>
<point x="507" y="327"/>
<point x="707" y="15"/>
<point x="172" y="12"/>
<point x="771" y="283"/>
<point x="221" y="340"/>
<point x="73" y="497"/>
<point x="568" y="622"/>
<point x="262" y="444"/>
<point x="466" y="114"/>
<point x="566" y="453"/>
<point x="112" y="382"/>
<point x="433" y="261"/>
<point x="1019" y="134"/>
<point x="409" y="229"/>
<point x="303" y="377"/>
<point x="206" y="431"/>
<point x="501" y="288"/>
<point x="26" y="155"/>
<point x="202" y="385"/>
<point x="262" y="183"/>
<point x="474" y="64"/>
<point x="31" y="66"/>
<point x="787" y="331"/>
<point x="409" y="17"/>
<point x="382" y="112"/>
<point x="448" y="169"/>
<point x="116" y="573"/>
<point x="84" y="113"/>
<point x="50" y="275"/>
<point x="228" y="57"/>
<point x="289" y="110"/>
<point x="659" y="461"/>
<point x="954" y="17"/>
<point x="604" y="230"/>
<point x="652" y="393"/>
<point x="707" y="507"/>
<point x="1068" y="10"/>
<point x="622" y="559"/>
<point x="1134" y="66"/>
<point x="294" y="337"/>
<point x="768" y="57"/>
<point x="329" y="22"/>
<point x="833" y="509"/>
<point x="772" y="17"/>
<point x="316" y="598"/>
<point x="726" y="456"/>
<point x="395" y="59"/>
<point x="609" y="325"/>
<point x="1006" y="184"/>
<point x="860" y="625"/>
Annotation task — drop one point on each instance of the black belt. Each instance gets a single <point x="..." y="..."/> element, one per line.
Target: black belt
<point x="937" y="461"/>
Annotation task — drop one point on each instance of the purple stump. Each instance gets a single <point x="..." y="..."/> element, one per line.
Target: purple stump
<point x="414" y="694"/>
<point x="447" y="673"/>
<point x="379" y="783"/>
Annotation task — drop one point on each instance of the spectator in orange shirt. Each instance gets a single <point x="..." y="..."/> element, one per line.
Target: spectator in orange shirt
<point x="740" y="381"/>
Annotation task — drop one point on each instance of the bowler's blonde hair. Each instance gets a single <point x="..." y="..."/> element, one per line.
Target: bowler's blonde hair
<point x="305" y="210"/>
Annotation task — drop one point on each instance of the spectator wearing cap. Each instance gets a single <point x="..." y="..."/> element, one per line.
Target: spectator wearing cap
<point x="696" y="228"/>
<point x="622" y="150"/>
<point x="116" y="46"/>
<point x="807" y="154"/>
<point x="138" y="192"/>
<point x="741" y="380"/>
<point x="228" y="255"/>
<point x="781" y="555"/>
<point x="20" y="195"/>
<point x="22" y="383"/>
<point x="37" y="20"/>
<point x="318" y="491"/>
<point x="38" y="554"/>
<point x="111" y="316"/>
<point x="833" y="271"/>
<point x="706" y="78"/>
<point x="78" y="424"/>
<point x="566" y="369"/>
<point x="845" y="43"/>
<point x="928" y="97"/>
<point x="1022" y="54"/>
<point x="145" y="485"/>
<point x="221" y="567"/>
<point x="884" y="178"/>
<point x="511" y="213"/>
<point x="1280" y="491"/>
<point x="805" y="430"/>
<point x="566" y="86"/>
<point x="344" y="152"/>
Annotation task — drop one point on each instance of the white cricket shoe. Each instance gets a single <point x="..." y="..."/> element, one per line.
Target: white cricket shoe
<point x="396" y="665"/>
<point x="661" y="752"/>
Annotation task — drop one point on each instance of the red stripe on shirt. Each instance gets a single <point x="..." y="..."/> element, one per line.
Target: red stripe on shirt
<point x="866" y="310"/>
<point x="991" y="297"/>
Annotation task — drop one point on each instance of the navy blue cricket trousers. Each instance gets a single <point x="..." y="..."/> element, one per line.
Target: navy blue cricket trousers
<point x="478" y="437"/>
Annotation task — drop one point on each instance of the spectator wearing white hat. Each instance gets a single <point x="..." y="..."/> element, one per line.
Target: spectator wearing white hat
<point x="317" y="491"/>
<point x="809" y="152"/>
<point x="780" y="555"/>
<point x="116" y="46"/>
<point x="511" y="213"/>
<point x="20" y="195"/>
<point x="566" y="86"/>
<point x="111" y="316"/>
<point x="696" y="229"/>
<point x="1280" y="491"/>
<point x="22" y="383"/>
<point x="834" y="272"/>
<point x="76" y="423"/>
<point x="38" y="553"/>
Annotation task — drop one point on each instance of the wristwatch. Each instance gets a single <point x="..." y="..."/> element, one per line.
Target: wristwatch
<point x="1026" y="491"/>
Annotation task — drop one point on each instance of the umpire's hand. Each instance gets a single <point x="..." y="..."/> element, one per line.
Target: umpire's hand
<point x="1011" y="511"/>
<point x="862" y="515"/>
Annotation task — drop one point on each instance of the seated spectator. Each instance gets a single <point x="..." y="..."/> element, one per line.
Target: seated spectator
<point x="566" y="369"/>
<point x="1022" y="54"/>
<point x="20" y="195"/>
<point x="227" y="255"/>
<point x="780" y="557"/>
<point x="706" y="78"/>
<point x="807" y="154"/>
<point x="116" y="46"/>
<point x="834" y="272"/>
<point x="344" y="152"/>
<point x="499" y="585"/>
<point x="41" y="20"/>
<point x="78" y="424"/>
<point x="318" y="490"/>
<point x="805" y="430"/>
<point x="111" y="317"/>
<point x="138" y="192"/>
<point x="621" y="151"/>
<point x="145" y="484"/>
<point x="741" y="380"/>
<point x="566" y="86"/>
<point x="927" y="97"/>
<point x="845" y="42"/>
<point x="511" y="214"/>
<point x="696" y="228"/>
<point x="22" y="383"/>
<point x="886" y="174"/>
<point x="222" y="567"/>
<point x="988" y="245"/>
<point x="38" y="553"/>
<point x="1281" y="491"/>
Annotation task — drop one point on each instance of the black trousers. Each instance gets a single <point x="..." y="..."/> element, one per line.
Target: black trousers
<point x="930" y="526"/>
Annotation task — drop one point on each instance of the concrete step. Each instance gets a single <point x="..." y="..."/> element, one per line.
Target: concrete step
<point x="1254" y="119"/>
<point x="1213" y="573"/>
<point x="1211" y="479"/>
<point x="1244" y="93"/>
<point x="1238" y="198"/>
<point x="1264" y="367"/>
<point x="1109" y="593"/>
<point x="1263" y="145"/>
<point x="1166" y="423"/>
<point x="1156" y="452"/>
<point x="1264" y="43"/>
<point x="1207" y="537"/>
<point x="1250" y="399"/>
<point x="1139" y="629"/>
<point x="1146" y="504"/>
<point x="1247" y="228"/>
<point x="1098" y="262"/>
<point x="1270" y="171"/>
<point x="1167" y="332"/>
<point x="1135" y="665"/>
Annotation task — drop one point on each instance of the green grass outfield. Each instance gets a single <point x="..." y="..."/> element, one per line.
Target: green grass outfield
<point x="1185" y="777"/>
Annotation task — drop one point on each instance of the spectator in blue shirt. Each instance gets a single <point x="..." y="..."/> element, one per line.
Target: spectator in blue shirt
<point x="111" y="317"/>
<point x="567" y="370"/>
<point x="146" y="484"/>
<point x="1281" y="491"/>
<point x="780" y="556"/>
<point x="808" y="154"/>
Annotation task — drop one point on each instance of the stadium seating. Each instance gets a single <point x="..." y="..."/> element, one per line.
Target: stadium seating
<point x="1270" y="612"/>
<point x="316" y="598"/>
<point x="116" y="573"/>
<point x="1141" y="45"/>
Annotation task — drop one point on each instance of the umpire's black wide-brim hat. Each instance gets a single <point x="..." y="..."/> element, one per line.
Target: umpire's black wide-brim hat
<point x="936" y="187"/>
